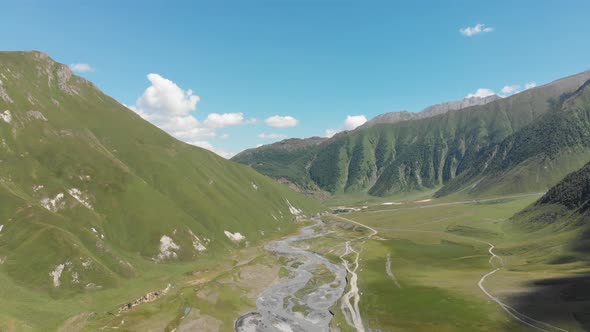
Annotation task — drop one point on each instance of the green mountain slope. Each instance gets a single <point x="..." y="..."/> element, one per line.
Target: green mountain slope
<point x="537" y="156"/>
<point x="287" y="160"/>
<point x="429" y="153"/>
<point x="90" y="193"/>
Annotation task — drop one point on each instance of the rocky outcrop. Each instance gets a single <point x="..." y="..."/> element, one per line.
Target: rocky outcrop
<point x="149" y="297"/>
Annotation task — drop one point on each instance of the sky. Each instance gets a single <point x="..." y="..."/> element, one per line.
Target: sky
<point x="231" y="75"/>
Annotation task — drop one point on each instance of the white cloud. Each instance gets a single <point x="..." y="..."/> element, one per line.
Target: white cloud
<point x="481" y="93"/>
<point x="207" y="145"/>
<point x="272" y="136"/>
<point x="351" y="122"/>
<point x="81" y="67"/>
<point x="331" y="132"/>
<point x="530" y="85"/>
<point x="278" y="121"/>
<point x="215" y="120"/>
<point x="164" y="96"/>
<point x="170" y="108"/>
<point x="475" y="30"/>
<point x="224" y="136"/>
<point x="510" y="89"/>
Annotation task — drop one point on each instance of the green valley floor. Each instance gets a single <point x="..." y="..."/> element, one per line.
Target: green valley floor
<point x="413" y="265"/>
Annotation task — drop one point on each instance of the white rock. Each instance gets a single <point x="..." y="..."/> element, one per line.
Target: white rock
<point x="56" y="274"/>
<point x="197" y="243"/>
<point x="6" y="116"/>
<point x="80" y="197"/>
<point x="294" y="211"/>
<point x="167" y="247"/>
<point x="236" y="237"/>
<point x="254" y="185"/>
<point x="86" y="262"/>
<point x="36" y="115"/>
<point x="52" y="204"/>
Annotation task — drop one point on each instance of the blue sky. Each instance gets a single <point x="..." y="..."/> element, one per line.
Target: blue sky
<point x="315" y="61"/>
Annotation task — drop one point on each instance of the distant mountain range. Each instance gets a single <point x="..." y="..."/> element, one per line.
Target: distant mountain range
<point x="524" y="142"/>
<point x="430" y="111"/>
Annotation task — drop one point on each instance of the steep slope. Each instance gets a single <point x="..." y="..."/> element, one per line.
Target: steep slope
<point x="568" y="202"/>
<point x="427" y="153"/>
<point x="286" y="161"/>
<point x="565" y="207"/>
<point x="537" y="156"/>
<point x="429" y="111"/>
<point x="90" y="192"/>
<point x="573" y="192"/>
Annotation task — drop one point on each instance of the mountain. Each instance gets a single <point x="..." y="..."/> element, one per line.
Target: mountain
<point x="537" y="155"/>
<point x="429" y="111"/>
<point x="429" y="153"/>
<point x="287" y="160"/>
<point x="92" y="195"/>
<point x="573" y="192"/>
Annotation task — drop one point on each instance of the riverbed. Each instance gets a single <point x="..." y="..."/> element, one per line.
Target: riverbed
<point x="275" y="306"/>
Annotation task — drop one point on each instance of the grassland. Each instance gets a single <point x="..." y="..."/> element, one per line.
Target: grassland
<point x="439" y="251"/>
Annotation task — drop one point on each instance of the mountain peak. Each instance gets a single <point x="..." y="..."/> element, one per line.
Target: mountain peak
<point x="430" y="111"/>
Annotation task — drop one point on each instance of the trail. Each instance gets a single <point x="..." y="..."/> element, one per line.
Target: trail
<point x="354" y="318"/>
<point x="353" y="315"/>
<point x="389" y="272"/>
<point x="531" y="322"/>
<point x="473" y="201"/>
<point x="519" y="316"/>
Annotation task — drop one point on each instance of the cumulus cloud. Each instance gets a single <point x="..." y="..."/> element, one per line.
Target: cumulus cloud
<point x="272" y="136"/>
<point x="279" y="121"/>
<point x="207" y="145"/>
<point x="215" y="120"/>
<point x="81" y="67"/>
<point x="510" y="89"/>
<point x="481" y="93"/>
<point x="475" y="30"/>
<point x="170" y="108"/>
<point x="331" y="132"/>
<point x="164" y="96"/>
<point x="351" y="122"/>
<point x="516" y="88"/>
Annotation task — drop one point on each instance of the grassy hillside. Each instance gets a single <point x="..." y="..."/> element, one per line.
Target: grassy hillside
<point x="564" y="206"/>
<point x="423" y="154"/>
<point x="92" y="195"/>
<point x="286" y="161"/>
<point x="535" y="157"/>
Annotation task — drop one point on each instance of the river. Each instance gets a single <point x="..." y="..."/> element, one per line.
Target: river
<point x="275" y="306"/>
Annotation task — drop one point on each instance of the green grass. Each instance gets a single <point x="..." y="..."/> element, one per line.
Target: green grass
<point x="140" y="182"/>
<point x="439" y="252"/>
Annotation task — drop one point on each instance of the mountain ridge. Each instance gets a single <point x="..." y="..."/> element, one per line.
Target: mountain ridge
<point x="103" y="194"/>
<point x="418" y="154"/>
<point x="430" y="111"/>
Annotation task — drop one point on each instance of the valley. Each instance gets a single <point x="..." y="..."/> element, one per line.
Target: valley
<point x="471" y="215"/>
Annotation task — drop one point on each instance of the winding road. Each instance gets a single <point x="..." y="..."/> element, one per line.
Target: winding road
<point x="519" y="316"/>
